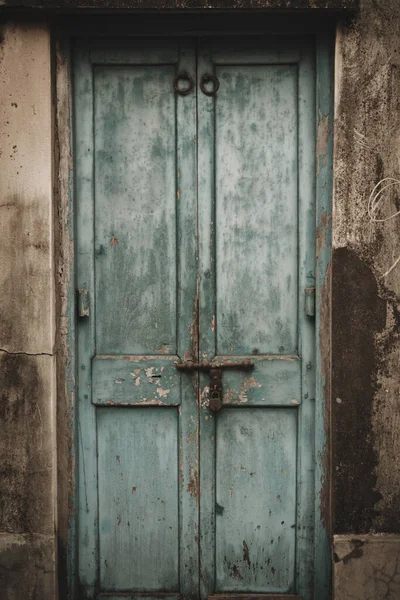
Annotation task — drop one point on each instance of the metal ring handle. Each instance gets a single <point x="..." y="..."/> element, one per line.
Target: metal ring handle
<point x="207" y="78"/>
<point x="184" y="76"/>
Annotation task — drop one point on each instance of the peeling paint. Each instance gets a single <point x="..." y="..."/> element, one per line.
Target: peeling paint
<point x="193" y="485"/>
<point x="162" y="393"/>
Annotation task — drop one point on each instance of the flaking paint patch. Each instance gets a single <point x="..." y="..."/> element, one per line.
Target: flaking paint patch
<point x="205" y="396"/>
<point x="322" y="141"/>
<point x="235" y="397"/>
<point x="193" y="485"/>
<point x="163" y="393"/>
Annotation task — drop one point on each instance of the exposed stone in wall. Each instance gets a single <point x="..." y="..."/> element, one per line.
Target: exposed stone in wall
<point x="366" y="351"/>
<point x="367" y="567"/>
<point x="27" y="399"/>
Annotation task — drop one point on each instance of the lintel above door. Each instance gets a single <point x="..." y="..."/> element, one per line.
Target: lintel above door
<point x="140" y="5"/>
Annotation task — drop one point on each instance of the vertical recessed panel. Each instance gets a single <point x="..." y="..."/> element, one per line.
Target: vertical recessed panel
<point x="135" y="209"/>
<point x="256" y="209"/>
<point x="138" y="499"/>
<point x="255" y="500"/>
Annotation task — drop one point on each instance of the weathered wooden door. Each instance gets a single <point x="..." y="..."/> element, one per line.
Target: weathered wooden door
<point x="195" y="244"/>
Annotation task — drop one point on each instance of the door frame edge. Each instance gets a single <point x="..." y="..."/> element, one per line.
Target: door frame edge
<point x="64" y="250"/>
<point x="325" y="47"/>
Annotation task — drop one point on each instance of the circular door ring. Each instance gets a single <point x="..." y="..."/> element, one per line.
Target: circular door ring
<point x="184" y="76"/>
<point x="207" y="78"/>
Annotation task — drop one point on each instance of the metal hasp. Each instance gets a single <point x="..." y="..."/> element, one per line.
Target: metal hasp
<point x="208" y="366"/>
<point x="309" y="303"/>
<point x="83" y="302"/>
<point x="215" y="370"/>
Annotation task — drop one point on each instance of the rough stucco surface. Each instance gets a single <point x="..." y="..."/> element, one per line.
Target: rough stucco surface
<point x="27" y="441"/>
<point x="366" y="349"/>
<point x="367" y="567"/>
<point x="25" y="193"/>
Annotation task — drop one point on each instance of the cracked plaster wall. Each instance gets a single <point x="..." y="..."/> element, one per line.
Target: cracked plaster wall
<point x="365" y="304"/>
<point x="27" y="441"/>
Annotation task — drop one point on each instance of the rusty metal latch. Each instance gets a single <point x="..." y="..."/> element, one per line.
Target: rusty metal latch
<point x="215" y="370"/>
<point x="207" y="366"/>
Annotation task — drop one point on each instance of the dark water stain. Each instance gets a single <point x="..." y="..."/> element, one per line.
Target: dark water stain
<point x="358" y="314"/>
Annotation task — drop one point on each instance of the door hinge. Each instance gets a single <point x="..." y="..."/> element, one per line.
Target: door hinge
<point x="310" y="301"/>
<point x="83" y="302"/>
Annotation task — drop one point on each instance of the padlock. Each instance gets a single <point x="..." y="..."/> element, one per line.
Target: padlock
<point x="215" y="403"/>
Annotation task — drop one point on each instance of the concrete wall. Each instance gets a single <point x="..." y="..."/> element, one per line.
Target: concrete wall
<point x="366" y="318"/>
<point x="365" y="305"/>
<point x="27" y="405"/>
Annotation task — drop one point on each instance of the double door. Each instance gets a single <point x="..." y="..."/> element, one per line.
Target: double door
<point x="195" y="170"/>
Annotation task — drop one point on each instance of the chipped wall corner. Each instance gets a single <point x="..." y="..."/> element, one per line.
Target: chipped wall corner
<point x="366" y="567"/>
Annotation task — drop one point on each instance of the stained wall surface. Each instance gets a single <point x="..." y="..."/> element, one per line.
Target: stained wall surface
<point x="366" y="319"/>
<point x="27" y="440"/>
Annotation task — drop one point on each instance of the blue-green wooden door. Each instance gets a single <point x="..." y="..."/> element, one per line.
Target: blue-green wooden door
<point x="195" y="241"/>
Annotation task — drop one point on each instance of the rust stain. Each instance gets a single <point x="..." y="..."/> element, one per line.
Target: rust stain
<point x="114" y="241"/>
<point x="321" y="233"/>
<point x="325" y="349"/>
<point x="193" y="485"/>
<point x="246" y="556"/>
<point x="236" y="573"/>
<point x="133" y="490"/>
<point x="213" y="323"/>
<point x="118" y="458"/>
<point x="194" y="328"/>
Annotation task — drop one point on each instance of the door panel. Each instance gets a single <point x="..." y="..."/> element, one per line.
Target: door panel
<point x="195" y="241"/>
<point x="256" y="223"/>
<point x="136" y="239"/>
<point x="135" y="186"/>
<point x="138" y="514"/>
<point x="256" y="209"/>
<point x="255" y="504"/>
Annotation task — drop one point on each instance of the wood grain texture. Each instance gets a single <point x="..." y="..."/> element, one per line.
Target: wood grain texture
<point x="255" y="500"/>
<point x="136" y="211"/>
<point x="138" y="514"/>
<point x="256" y="220"/>
<point x="196" y="239"/>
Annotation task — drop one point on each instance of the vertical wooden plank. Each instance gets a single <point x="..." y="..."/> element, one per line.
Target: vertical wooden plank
<point x="206" y="200"/>
<point x="186" y="194"/>
<point x="325" y="115"/>
<point x="86" y="415"/>
<point x="306" y="198"/>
